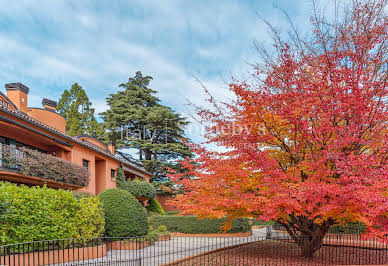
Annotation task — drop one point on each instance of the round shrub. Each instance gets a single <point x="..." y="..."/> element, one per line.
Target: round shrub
<point x="155" y="207"/>
<point x="140" y="189"/>
<point x="124" y="215"/>
<point x="41" y="213"/>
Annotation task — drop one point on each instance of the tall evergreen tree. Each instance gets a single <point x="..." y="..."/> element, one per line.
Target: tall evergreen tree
<point x="136" y="119"/>
<point x="75" y="106"/>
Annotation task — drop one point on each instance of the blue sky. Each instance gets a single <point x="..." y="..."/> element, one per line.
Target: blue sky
<point x="49" y="45"/>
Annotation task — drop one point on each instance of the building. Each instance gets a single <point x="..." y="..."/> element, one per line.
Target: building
<point x="44" y="130"/>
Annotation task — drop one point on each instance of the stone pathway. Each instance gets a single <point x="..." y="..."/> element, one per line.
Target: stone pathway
<point x="168" y="251"/>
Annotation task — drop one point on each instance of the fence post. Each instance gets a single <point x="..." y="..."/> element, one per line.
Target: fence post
<point x="268" y="231"/>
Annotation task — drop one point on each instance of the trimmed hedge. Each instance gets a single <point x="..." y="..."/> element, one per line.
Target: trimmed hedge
<point x="171" y="212"/>
<point x="41" y="213"/>
<point x="137" y="188"/>
<point x="124" y="215"/>
<point x="155" y="207"/>
<point x="190" y="224"/>
<point x="350" y="228"/>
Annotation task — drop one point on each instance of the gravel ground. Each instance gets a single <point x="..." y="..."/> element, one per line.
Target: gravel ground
<point x="283" y="253"/>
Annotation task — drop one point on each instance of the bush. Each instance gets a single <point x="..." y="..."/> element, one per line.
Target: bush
<point x="41" y="213"/>
<point x="190" y="224"/>
<point x="162" y="228"/>
<point x="38" y="164"/>
<point x="4" y="212"/>
<point x="350" y="228"/>
<point x="79" y="194"/>
<point x="90" y="216"/>
<point x="141" y="189"/>
<point x="155" y="207"/>
<point x="124" y="215"/>
<point x="263" y="223"/>
<point x="171" y="212"/>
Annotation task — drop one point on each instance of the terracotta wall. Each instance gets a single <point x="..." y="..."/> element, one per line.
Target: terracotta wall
<point x="50" y="118"/>
<point x="162" y="198"/>
<point x="99" y="169"/>
<point x="19" y="98"/>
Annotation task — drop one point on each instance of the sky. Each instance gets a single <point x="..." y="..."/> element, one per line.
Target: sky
<point x="49" y="45"/>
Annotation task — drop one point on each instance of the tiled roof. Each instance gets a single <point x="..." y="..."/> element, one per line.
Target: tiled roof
<point x="55" y="131"/>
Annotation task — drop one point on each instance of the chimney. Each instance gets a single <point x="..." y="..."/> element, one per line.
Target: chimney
<point x="49" y="104"/>
<point x="17" y="93"/>
<point x="111" y="147"/>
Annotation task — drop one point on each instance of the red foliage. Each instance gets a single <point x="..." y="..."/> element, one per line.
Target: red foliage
<point x="307" y="144"/>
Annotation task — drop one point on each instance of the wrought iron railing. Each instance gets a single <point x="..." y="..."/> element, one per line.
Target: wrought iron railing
<point x="249" y="250"/>
<point x="10" y="156"/>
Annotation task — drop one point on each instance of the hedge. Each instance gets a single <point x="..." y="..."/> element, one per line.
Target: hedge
<point x="155" y="207"/>
<point x="190" y="224"/>
<point x="137" y="188"/>
<point x="171" y="212"/>
<point x="38" y="164"/>
<point x="41" y="213"/>
<point x="350" y="228"/>
<point x="124" y="215"/>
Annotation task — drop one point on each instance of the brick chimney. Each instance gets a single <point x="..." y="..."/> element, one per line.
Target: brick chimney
<point x="18" y="93"/>
<point x="111" y="147"/>
<point x="49" y="104"/>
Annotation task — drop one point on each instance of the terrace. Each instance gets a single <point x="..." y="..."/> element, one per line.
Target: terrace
<point x="33" y="167"/>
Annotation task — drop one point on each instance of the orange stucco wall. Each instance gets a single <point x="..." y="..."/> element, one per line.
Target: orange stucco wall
<point x="19" y="98"/>
<point x="99" y="169"/>
<point x="50" y="118"/>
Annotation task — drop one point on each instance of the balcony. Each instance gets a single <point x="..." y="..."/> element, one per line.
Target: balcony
<point x="31" y="167"/>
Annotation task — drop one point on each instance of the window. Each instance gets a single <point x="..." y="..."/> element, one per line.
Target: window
<point x="113" y="174"/>
<point x="85" y="163"/>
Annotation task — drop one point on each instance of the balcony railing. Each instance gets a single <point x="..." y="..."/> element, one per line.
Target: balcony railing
<point x="37" y="164"/>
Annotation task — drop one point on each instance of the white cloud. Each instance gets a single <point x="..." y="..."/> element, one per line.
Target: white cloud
<point x="53" y="44"/>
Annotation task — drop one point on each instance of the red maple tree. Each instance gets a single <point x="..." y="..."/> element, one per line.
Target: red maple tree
<point x="306" y="141"/>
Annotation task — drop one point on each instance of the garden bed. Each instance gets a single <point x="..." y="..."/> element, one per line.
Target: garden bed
<point x="271" y="252"/>
<point x="164" y="237"/>
<point x="54" y="256"/>
<point x="129" y="244"/>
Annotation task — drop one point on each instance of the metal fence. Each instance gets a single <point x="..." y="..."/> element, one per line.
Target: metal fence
<point x="278" y="249"/>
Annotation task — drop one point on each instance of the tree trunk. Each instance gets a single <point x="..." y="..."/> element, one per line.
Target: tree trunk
<point x="148" y="155"/>
<point x="309" y="244"/>
<point x="307" y="234"/>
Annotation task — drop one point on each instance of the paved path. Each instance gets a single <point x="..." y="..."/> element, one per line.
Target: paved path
<point x="168" y="251"/>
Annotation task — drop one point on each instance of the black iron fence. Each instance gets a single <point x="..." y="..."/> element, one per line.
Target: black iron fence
<point x="277" y="249"/>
